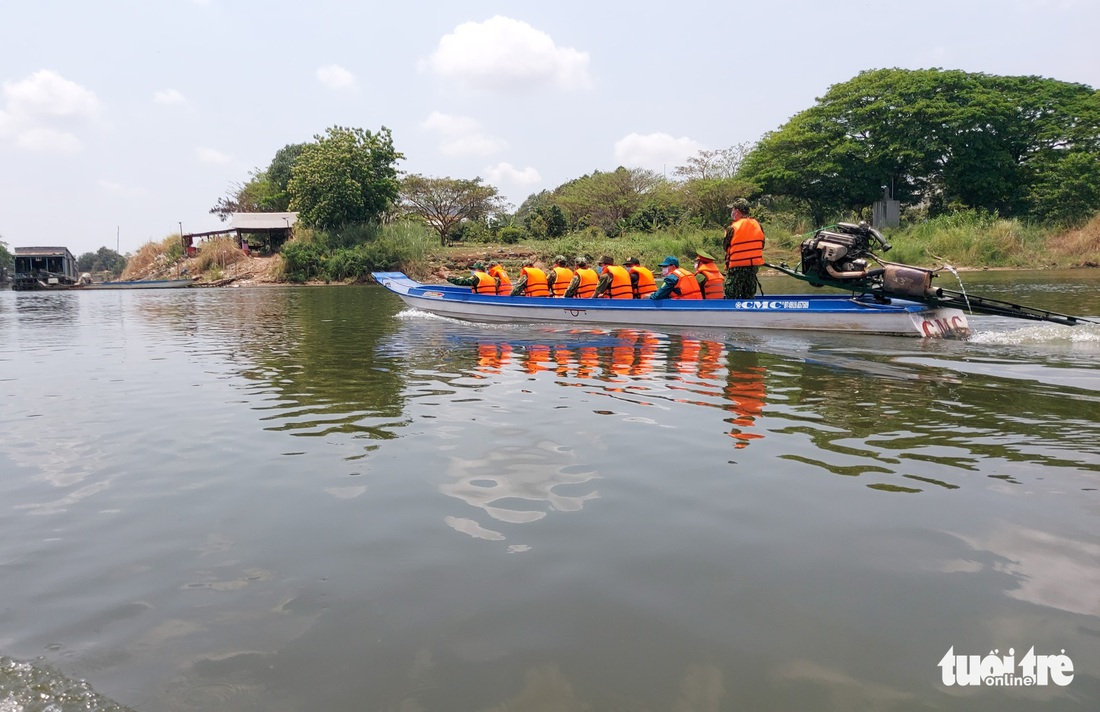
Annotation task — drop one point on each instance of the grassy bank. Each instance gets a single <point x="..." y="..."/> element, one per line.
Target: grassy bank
<point x="965" y="240"/>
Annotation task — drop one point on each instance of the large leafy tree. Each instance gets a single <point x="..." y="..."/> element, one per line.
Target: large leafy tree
<point x="102" y="260"/>
<point x="714" y="165"/>
<point x="445" y="202"/>
<point x="607" y="199"/>
<point x="945" y="138"/>
<point x="266" y="190"/>
<point x="347" y="176"/>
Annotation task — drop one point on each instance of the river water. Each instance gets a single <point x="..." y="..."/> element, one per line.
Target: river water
<point x="315" y="499"/>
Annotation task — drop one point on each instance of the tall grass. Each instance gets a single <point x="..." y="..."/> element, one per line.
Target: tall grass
<point x="972" y="239"/>
<point x="153" y="256"/>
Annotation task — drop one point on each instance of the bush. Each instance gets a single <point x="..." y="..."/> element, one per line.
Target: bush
<point x="511" y="234"/>
<point x="390" y="247"/>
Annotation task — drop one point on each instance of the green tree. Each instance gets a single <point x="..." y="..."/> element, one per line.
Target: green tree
<point x="944" y="138"/>
<point x="278" y="176"/>
<point x="607" y="200"/>
<point x="7" y="261"/>
<point x="714" y="165"/>
<point x="348" y="176"/>
<point x="103" y="260"/>
<point x="546" y="221"/>
<point x="265" y="191"/>
<point x="444" y="203"/>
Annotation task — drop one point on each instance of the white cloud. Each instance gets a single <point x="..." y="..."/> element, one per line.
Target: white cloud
<point x="210" y="155"/>
<point x="47" y="140"/>
<point x="335" y="77"/>
<point x="472" y="145"/>
<point x="449" y="124"/>
<point x="169" y="97"/>
<point x="506" y="54"/>
<point x="46" y="93"/>
<point x="40" y="112"/>
<point x="462" y="136"/>
<point x="506" y="173"/>
<point x="119" y="189"/>
<point x="655" y="151"/>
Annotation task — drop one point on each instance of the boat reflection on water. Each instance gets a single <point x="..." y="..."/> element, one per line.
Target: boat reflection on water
<point x="681" y="368"/>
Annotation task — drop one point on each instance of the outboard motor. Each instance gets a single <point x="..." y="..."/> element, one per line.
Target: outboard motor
<point x="839" y="258"/>
<point x="841" y="254"/>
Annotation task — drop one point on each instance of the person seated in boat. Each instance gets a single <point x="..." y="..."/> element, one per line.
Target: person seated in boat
<point x="558" y="277"/>
<point x="531" y="282"/>
<point x="642" y="283"/>
<point x="678" y="282"/>
<point x="479" y="280"/>
<point x="614" y="280"/>
<point x="708" y="276"/>
<point x="504" y="282"/>
<point x="583" y="284"/>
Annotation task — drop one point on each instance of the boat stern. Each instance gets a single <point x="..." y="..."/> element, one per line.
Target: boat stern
<point x="941" y="323"/>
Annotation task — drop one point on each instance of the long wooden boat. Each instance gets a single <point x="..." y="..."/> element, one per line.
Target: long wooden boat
<point x="139" y="284"/>
<point x="798" y="312"/>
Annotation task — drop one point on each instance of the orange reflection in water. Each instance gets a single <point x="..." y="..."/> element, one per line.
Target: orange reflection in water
<point x="703" y="372"/>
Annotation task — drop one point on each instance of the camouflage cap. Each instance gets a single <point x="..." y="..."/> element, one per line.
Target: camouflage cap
<point x="477" y="265"/>
<point x="740" y="204"/>
<point x="559" y="260"/>
<point x="607" y="260"/>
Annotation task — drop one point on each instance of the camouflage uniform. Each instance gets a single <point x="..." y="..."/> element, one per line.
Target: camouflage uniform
<point x="740" y="283"/>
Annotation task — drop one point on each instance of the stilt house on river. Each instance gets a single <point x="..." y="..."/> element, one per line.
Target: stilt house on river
<point x="44" y="268"/>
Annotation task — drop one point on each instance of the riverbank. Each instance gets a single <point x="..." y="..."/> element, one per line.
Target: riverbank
<point x="967" y="244"/>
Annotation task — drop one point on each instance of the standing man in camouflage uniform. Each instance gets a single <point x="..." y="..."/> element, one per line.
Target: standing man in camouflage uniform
<point x="744" y="246"/>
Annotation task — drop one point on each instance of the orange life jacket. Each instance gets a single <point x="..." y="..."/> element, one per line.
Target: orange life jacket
<point x="587" y="286"/>
<point x="536" y="282"/>
<point x="562" y="278"/>
<point x="485" y="284"/>
<point x="646" y="285"/>
<point x="712" y="288"/>
<point x="505" y="286"/>
<point x="687" y="287"/>
<point x="746" y="248"/>
<point x="620" y="283"/>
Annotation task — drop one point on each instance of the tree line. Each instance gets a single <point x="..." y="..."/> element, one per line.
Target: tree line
<point x="938" y="141"/>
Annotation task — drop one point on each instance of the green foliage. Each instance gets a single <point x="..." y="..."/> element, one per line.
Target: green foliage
<point x="944" y="138"/>
<point x="714" y="165"/>
<point x="7" y="260"/>
<point x="546" y="221"/>
<point x="606" y="200"/>
<point x="970" y="238"/>
<point x="107" y="260"/>
<point x="347" y="176"/>
<point x="266" y="191"/>
<point x="511" y="234"/>
<point x="445" y="203"/>
<point x="395" y="246"/>
<point x="277" y="197"/>
<point x="1066" y="189"/>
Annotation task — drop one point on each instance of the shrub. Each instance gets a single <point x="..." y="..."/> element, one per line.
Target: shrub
<point x="511" y="234"/>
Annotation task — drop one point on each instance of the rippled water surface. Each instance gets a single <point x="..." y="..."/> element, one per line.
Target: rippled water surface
<point x="313" y="498"/>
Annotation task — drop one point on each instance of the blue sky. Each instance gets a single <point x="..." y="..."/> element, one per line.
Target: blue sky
<point x="128" y="117"/>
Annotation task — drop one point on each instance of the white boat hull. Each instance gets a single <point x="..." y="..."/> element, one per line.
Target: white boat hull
<point x="807" y="312"/>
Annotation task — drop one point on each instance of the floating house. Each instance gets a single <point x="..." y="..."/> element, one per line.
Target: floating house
<point x="44" y="268"/>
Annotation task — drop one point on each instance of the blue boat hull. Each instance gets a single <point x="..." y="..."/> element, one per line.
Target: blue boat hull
<point x="799" y="312"/>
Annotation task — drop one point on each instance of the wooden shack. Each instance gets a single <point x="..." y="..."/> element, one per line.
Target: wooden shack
<point x="44" y="268"/>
